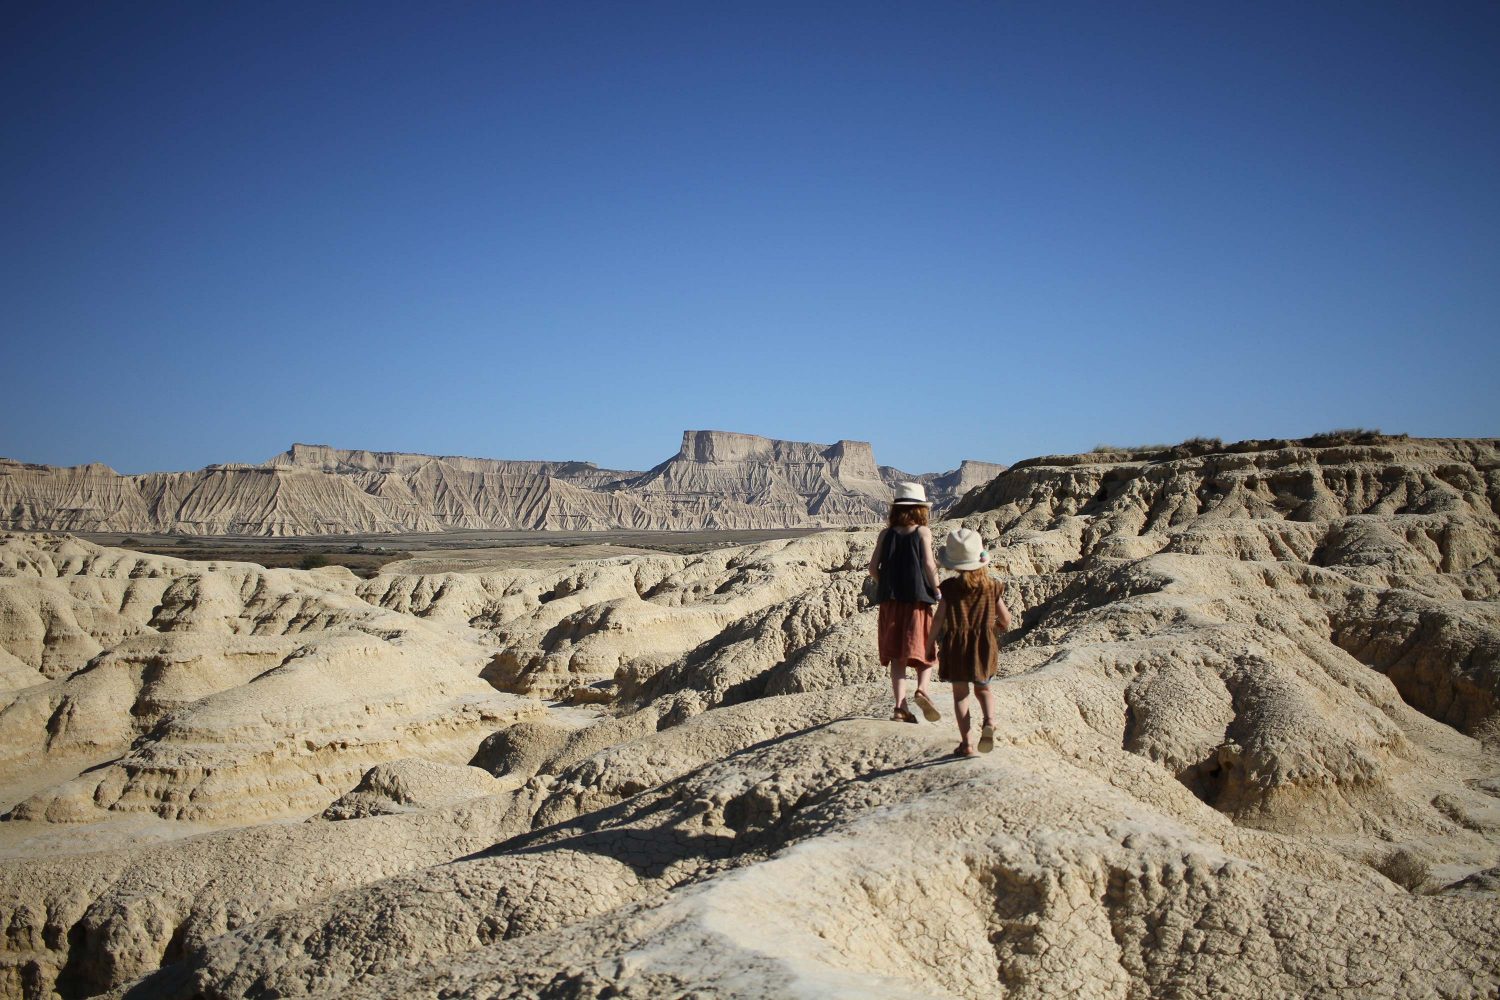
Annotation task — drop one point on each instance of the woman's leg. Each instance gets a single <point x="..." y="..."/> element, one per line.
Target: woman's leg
<point x="921" y="660"/>
<point x="924" y="674"/>
<point x="898" y="683"/>
<point x="925" y="648"/>
<point x="922" y="699"/>
<point x="888" y="640"/>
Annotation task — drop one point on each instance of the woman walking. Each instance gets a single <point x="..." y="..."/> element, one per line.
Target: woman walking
<point x="970" y="621"/>
<point x="906" y="577"/>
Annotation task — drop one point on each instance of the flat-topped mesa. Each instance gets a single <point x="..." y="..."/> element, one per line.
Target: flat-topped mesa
<point x="979" y="472"/>
<point x="14" y="465"/>
<point x="969" y="475"/>
<point x="727" y="446"/>
<point x="323" y="458"/>
<point x="792" y="482"/>
<point x="724" y="446"/>
<point x="89" y="497"/>
<point x="854" y="460"/>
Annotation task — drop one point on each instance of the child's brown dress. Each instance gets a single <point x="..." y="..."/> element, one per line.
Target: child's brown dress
<point x="970" y="631"/>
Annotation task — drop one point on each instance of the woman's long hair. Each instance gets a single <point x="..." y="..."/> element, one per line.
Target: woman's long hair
<point x="903" y="514"/>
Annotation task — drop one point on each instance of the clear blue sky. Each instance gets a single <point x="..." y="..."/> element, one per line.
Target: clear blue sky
<point x="555" y="230"/>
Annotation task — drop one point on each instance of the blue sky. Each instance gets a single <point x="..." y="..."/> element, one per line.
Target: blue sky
<point x="528" y="230"/>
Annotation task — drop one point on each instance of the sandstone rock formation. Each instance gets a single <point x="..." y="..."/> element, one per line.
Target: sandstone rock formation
<point x="946" y="488"/>
<point x="791" y="482"/>
<point x="717" y="480"/>
<point x="1248" y="746"/>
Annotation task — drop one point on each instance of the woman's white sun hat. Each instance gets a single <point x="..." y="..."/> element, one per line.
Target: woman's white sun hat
<point x="911" y="493"/>
<point x="964" y="549"/>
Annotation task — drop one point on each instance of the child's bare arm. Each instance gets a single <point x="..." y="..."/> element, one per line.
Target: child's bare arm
<point x="1003" y="610"/>
<point x="936" y="635"/>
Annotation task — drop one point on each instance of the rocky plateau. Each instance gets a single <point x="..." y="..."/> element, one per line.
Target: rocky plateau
<point x="717" y="480"/>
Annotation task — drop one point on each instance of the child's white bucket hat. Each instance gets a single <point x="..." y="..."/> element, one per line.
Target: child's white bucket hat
<point x="964" y="549"/>
<point x="911" y="493"/>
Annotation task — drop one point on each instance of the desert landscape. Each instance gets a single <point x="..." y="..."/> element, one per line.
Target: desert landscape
<point x="1248" y="746"/>
<point x="363" y="636"/>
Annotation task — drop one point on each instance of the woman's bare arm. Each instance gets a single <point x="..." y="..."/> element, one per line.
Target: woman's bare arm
<point x="875" y="556"/>
<point x="1005" y="621"/>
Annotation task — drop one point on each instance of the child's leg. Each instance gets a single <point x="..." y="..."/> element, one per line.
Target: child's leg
<point x="986" y="703"/>
<point x="961" y="711"/>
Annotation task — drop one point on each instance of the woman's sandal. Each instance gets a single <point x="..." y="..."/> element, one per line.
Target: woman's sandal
<point x="902" y="714"/>
<point x="929" y="710"/>
<point x="964" y="750"/>
<point x="987" y="738"/>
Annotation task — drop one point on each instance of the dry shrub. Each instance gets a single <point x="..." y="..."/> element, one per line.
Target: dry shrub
<point x="1345" y="435"/>
<point x="1404" y="868"/>
<point x="1192" y="448"/>
<point x="1126" y="449"/>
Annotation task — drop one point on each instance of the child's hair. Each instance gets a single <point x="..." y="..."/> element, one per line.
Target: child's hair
<point x="907" y="513"/>
<point x="981" y="579"/>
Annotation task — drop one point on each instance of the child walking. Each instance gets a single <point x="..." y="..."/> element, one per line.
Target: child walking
<point x="971" y="618"/>
<point x="906" y="577"/>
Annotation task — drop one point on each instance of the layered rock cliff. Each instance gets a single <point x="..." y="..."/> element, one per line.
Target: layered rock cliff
<point x="790" y="481"/>
<point x="716" y="480"/>
<point x="321" y="458"/>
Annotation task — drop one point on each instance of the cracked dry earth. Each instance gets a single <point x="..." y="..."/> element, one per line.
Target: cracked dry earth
<point x="1248" y="746"/>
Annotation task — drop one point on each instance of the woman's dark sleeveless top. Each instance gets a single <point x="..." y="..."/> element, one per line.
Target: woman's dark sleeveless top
<point x="901" y="576"/>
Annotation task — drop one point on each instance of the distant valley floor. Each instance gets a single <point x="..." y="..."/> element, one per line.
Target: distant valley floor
<point x="454" y="551"/>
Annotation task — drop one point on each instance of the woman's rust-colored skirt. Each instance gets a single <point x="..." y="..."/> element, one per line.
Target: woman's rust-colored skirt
<point x="904" y="630"/>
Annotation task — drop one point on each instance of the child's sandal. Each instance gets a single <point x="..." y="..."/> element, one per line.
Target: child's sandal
<point x="964" y="750"/>
<point x="902" y="714"/>
<point x="986" y="738"/>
